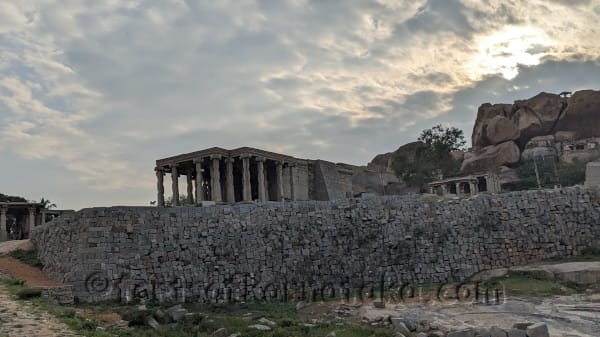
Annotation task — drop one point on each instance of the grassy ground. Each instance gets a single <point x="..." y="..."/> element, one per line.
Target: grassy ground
<point x="27" y="256"/>
<point x="234" y="318"/>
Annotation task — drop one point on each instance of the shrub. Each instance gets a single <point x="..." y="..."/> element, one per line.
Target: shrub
<point x="28" y="257"/>
<point x="27" y="293"/>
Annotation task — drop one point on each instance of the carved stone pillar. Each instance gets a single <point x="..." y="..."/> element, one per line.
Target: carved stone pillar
<point x="160" y="187"/>
<point x="444" y="190"/>
<point x="292" y="168"/>
<point x="230" y="187"/>
<point x="457" y="189"/>
<point x="199" y="181"/>
<point x="246" y="186"/>
<point x="260" y="169"/>
<point x="215" y="178"/>
<point x="279" y="177"/>
<point x="3" y="231"/>
<point x="190" y="187"/>
<point x="175" y="184"/>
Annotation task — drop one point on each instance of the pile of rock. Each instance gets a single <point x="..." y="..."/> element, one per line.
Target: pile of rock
<point x="518" y="330"/>
<point x="405" y="327"/>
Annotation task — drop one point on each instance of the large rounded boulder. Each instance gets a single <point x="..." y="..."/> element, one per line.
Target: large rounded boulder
<point x="492" y="156"/>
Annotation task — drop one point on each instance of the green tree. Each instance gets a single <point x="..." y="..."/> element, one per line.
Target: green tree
<point x="47" y="203"/>
<point x="432" y="158"/>
<point x="11" y="198"/>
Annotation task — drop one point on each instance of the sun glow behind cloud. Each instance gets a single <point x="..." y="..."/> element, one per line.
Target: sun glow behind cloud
<point x="503" y="51"/>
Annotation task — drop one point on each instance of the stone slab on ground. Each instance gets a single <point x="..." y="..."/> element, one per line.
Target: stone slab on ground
<point x="581" y="273"/>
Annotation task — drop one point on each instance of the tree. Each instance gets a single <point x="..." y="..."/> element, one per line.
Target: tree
<point x="47" y="203"/>
<point x="443" y="139"/>
<point x="432" y="158"/>
<point x="10" y="198"/>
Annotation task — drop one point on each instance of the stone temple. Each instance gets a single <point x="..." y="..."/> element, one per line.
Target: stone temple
<point x="252" y="175"/>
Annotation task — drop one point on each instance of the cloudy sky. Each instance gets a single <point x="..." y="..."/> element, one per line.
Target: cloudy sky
<point x="93" y="92"/>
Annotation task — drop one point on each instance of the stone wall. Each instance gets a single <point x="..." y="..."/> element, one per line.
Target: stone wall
<point x="282" y="249"/>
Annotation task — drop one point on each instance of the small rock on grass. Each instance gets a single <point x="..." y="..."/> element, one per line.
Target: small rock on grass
<point x="260" y="327"/>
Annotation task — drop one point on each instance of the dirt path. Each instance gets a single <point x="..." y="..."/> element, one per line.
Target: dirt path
<point x="33" y="277"/>
<point x="20" y="319"/>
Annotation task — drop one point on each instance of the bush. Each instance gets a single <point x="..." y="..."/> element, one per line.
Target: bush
<point x="14" y="282"/>
<point x="28" y="257"/>
<point x="27" y="293"/>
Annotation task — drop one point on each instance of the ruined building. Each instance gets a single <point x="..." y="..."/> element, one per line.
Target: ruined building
<point x="252" y="175"/>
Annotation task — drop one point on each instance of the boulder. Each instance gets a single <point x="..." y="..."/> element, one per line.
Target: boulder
<point x="538" y="330"/>
<point x="463" y="333"/>
<point x="516" y="333"/>
<point x="492" y="157"/>
<point x="485" y="113"/>
<point x="497" y="332"/>
<point x="501" y="129"/>
<point x="544" y="114"/>
<point x="400" y="326"/>
<point x="581" y="115"/>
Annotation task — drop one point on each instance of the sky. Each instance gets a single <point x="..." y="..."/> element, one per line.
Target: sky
<point x="93" y="92"/>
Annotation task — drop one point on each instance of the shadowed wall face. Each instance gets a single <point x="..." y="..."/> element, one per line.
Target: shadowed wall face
<point x="207" y="254"/>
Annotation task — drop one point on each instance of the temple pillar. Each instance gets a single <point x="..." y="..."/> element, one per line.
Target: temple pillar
<point x="457" y="189"/>
<point x="444" y="189"/>
<point x="199" y="181"/>
<point x="230" y="186"/>
<point x="190" y="187"/>
<point x="160" y="187"/>
<point x="175" y="184"/>
<point x="43" y="216"/>
<point x="215" y="178"/>
<point x="260" y="169"/>
<point x="246" y="186"/>
<point x="3" y="231"/>
<point x="279" y="180"/>
<point x="30" y="221"/>
<point x="292" y="168"/>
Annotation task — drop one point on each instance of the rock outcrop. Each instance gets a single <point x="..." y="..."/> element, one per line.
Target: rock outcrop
<point x="499" y="125"/>
<point x="492" y="156"/>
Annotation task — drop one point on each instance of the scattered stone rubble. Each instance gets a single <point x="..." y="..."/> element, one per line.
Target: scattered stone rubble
<point x="285" y="250"/>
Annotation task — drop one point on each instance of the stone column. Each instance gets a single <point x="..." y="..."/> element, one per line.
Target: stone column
<point x="431" y="190"/>
<point x="260" y="169"/>
<point x="230" y="187"/>
<point x="160" y="187"/>
<point x="175" y="184"/>
<point x="292" y="168"/>
<point x="279" y="182"/>
<point x="3" y="231"/>
<point x="444" y="189"/>
<point x="246" y="186"/>
<point x="215" y="178"/>
<point x="199" y="181"/>
<point x="30" y="221"/>
<point x="457" y="189"/>
<point x="43" y="216"/>
<point x="190" y="187"/>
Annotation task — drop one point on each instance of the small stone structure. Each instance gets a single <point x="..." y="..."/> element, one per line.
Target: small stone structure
<point x="248" y="174"/>
<point x="275" y="250"/>
<point x="466" y="185"/>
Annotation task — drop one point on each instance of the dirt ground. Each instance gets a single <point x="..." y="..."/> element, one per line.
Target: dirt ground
<point x="20" y="318"/>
